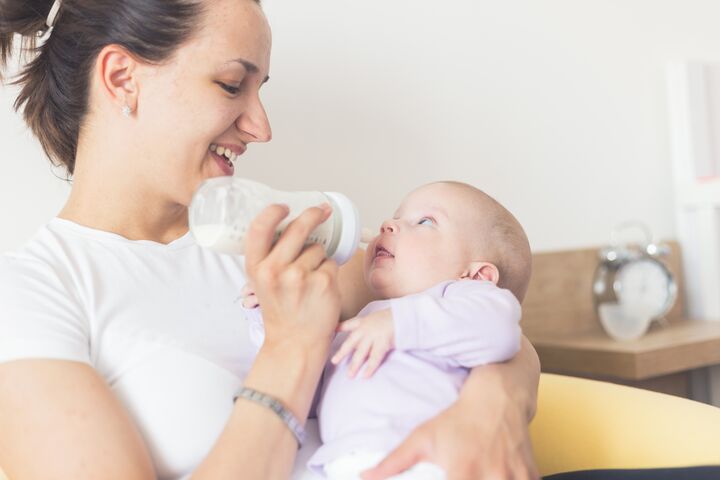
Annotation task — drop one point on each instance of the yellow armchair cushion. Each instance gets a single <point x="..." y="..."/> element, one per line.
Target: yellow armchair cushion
<point x="585" y="424"/>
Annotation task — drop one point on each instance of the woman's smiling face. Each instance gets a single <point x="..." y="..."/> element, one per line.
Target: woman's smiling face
<point x="203" y="105"/>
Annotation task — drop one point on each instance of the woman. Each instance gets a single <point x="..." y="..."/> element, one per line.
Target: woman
<point x="121" y="342"/>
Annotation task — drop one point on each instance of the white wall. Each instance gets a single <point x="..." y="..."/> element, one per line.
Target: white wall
<point x="556" y="107"/>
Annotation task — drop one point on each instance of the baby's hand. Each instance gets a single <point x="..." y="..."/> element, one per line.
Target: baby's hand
<point x="371" y="337"/>
<point x="250" y="300"/>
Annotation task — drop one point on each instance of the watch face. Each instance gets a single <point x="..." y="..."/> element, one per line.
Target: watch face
<point x="644" y="288"/>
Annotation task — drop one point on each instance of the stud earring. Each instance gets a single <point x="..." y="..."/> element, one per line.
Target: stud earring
<point x="127" y="110"/>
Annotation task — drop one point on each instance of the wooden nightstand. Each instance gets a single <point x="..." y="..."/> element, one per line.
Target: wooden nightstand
<point x="559" y="319"/>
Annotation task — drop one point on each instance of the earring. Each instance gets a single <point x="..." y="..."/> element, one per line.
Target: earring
<point x="127" y="110"/>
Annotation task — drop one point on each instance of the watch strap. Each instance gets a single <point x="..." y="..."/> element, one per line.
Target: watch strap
<point x="276" y="406"/>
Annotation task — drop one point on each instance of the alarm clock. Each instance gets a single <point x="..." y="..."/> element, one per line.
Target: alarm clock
<point x="632" y="286"/>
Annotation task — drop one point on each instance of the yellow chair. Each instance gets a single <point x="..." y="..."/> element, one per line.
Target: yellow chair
<point x="585" y="424"/>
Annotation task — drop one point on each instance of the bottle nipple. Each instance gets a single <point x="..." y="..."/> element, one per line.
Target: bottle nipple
<point x="367" y="235"/>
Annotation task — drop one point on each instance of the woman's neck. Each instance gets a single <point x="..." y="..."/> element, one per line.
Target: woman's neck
<point x="111" y="203"/>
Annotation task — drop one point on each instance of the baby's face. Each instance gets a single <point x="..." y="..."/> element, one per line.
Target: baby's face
<point x="426" y="242"/>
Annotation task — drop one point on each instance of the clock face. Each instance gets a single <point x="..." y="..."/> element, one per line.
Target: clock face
<point x="644" y="289"/>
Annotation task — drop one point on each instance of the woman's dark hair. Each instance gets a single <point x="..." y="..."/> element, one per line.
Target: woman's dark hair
<point x="55" y="83"/>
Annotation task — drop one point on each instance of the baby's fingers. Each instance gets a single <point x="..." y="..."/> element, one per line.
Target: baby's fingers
<point x="376" y="357"/>
<point x="348" y="325"/>
<point x="247" y="290"/>
<point x="359" y="357"/>
<point x="251" y="301"/>
<point x="345" y="349"/>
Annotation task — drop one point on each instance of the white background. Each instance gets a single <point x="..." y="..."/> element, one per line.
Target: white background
<point x="556" y="107"/>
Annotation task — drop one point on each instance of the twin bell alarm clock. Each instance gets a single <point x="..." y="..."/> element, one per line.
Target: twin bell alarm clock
<point x="632" y="286"/>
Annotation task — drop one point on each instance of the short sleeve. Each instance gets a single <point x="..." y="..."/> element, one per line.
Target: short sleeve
<point x="40" y="316"/>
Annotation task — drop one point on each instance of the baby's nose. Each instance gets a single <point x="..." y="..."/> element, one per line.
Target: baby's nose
<point x="388" y="226"/>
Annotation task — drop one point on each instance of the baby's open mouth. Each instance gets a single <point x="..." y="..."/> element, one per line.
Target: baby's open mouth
<point x="382" y="252"/>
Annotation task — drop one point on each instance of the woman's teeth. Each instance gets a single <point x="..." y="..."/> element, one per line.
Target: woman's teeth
<point x="224" y="152"/>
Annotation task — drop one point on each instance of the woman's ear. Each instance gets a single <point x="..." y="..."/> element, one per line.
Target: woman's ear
<point x="118" y="77"/>
<point x="482" y="271"/>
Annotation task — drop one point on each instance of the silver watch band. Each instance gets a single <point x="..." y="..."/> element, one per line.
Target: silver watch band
<point x="276" y="406"/>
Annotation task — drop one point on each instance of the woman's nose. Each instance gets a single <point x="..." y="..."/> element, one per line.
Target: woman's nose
<point x="388" y="226"/>
<point x="254" y="121"/>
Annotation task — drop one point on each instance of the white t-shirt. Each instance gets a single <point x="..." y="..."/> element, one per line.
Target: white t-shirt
<point x="163" y="324"/>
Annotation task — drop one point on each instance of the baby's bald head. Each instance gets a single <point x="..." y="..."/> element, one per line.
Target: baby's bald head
<point x="494" y="236"/>
<point x="446" y="231"/>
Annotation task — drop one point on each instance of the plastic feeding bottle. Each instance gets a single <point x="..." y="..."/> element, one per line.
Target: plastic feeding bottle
<point x="223" y="207"/>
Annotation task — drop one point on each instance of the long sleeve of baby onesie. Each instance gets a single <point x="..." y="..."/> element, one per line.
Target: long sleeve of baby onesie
<point x="472" y="323"/>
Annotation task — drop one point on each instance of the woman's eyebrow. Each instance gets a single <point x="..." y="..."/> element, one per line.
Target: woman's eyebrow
<point x="249" y="66"/>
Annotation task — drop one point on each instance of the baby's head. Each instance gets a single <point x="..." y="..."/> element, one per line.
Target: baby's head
<point x="448" y="231"/>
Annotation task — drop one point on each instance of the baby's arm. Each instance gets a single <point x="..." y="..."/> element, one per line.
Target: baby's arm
<point x="370" y="338"/>
<point x="473" y="323"/>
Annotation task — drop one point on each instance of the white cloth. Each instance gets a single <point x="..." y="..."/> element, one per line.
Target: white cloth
<point x="163" y="324"/>
<point x="350" y="466"/>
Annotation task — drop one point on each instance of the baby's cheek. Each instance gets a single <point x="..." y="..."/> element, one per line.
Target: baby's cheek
<point x="380" y="282"/>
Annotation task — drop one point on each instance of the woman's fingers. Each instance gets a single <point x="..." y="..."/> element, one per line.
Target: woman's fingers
<point x="260" y="235"/>
<point x="293" y="239"/>
<point x="311" y="258"/>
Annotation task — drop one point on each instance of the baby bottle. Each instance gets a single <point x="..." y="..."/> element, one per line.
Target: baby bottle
<point x="223" y="207"/>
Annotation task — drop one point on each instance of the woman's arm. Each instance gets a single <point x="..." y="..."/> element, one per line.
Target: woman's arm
<point x="517" y="380"/>
<point x="354" y="292"/>
<point x="256" y="444"/>
<point x="298" y="289"/>
<point x="485" y="433"/>
<point x="60" y="420"/>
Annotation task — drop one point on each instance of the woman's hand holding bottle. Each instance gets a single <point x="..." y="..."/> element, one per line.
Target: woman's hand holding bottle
<point x="296" y="286"/>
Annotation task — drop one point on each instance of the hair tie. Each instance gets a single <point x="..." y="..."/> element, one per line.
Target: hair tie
<point x="52" y="16"/>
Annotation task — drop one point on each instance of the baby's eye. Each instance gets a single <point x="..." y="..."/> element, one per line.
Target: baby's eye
<point x="426" y="221"/>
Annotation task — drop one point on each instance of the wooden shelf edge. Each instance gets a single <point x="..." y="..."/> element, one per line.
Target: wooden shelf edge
<point x="681" y="346"/>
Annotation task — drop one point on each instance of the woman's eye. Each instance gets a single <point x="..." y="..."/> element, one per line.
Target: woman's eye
<point x="229" y="88"/>
<point x="426" y="221"/>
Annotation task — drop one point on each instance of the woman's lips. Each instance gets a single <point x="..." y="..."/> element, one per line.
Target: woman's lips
<point x="227" y="167"/>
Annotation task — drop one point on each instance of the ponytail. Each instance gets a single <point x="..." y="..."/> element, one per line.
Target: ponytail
<point x="26" y="18"/>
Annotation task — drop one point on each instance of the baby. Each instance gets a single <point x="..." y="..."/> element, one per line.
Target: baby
<point x="451" y="268"/>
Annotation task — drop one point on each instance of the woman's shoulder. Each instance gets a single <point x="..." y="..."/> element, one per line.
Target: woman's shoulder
<point x="40" y="253"/>
<point x="44" y="258"/>
<point x="41" y="315"/>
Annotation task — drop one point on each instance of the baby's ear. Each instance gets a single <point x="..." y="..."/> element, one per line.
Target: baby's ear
<point x="482" y="271"/>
